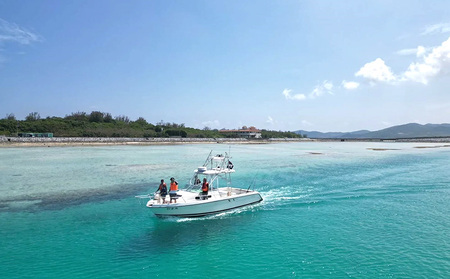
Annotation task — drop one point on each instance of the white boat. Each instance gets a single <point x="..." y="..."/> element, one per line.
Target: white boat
<point x="191" y="202"/>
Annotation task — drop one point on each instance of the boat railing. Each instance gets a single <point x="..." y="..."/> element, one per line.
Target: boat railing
<point x="215" y="168"/>
<point x="207" y="159"/>
<point x="193" y="187"/>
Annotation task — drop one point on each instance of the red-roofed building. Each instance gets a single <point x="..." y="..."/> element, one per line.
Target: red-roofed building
<point x="249" y="133"/>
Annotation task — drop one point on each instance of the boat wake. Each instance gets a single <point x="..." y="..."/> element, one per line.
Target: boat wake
<point x="272" y="200"/>
<point x="283" y="195"/>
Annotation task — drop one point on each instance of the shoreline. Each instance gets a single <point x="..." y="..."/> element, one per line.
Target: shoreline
<point x="79" y="141"/>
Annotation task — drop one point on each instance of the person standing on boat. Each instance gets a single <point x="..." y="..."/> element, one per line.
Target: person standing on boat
<point x="162" y="190"/>
<point x="230" y="165"/>
<point x="173" y="189"/>
<point x="205" y="187"/>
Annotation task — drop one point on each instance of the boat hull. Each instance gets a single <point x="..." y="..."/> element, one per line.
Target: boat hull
<point x="203" y="208"/>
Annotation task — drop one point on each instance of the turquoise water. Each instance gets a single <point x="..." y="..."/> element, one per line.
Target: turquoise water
<point x="330" y="210"/>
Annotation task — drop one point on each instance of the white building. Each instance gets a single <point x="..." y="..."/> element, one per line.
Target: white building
<point x="249" y="133"/>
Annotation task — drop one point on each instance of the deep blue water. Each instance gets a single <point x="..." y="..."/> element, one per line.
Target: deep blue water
<point x="330" y="210"/>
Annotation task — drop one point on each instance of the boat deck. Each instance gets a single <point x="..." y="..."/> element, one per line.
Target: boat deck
<point x="187" y="197"/>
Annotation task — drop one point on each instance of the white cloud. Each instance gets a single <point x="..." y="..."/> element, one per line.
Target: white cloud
<point x="319" y="90"/>
<point x="437" y="28"/>
<point x="407" y="51"/>
<point x="287" y="94"/>
<point x="350" y="85"/>
<point x="418" y="51"/>
<point x="11" y="32"/>
<point x="421" y="51"/>
<point x="437" y="61"/>
<point x="434" y="61"/>
<point x="376" y="71"/>
<point x="270" y="120"/>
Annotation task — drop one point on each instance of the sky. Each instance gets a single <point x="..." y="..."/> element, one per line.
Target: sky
<point x="280" y="65"/>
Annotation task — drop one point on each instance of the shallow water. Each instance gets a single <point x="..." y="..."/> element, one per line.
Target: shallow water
<point x="334" y="210"/>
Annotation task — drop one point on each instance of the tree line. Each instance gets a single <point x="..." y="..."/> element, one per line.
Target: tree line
<point x="101" y="124"/>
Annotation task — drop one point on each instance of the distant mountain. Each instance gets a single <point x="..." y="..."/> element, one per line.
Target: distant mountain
<point x="411" y="130"/>
<point x="331" y="135"/>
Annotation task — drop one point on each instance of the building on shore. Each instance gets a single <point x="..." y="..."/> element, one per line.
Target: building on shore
<point x="248" y="133"/>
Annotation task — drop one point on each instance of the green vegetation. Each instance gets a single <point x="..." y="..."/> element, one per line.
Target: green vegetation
<point x="100" y="124"/>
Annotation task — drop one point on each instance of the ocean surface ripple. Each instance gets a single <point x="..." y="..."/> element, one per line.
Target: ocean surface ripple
<point x="330" y="210"/>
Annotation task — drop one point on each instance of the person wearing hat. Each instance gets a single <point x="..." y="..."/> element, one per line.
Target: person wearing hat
<point x="173" y="189"/>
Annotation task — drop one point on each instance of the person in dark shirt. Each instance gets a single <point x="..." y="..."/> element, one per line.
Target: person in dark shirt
<point x="205" y="187"/>
<point x="162" y="190"/>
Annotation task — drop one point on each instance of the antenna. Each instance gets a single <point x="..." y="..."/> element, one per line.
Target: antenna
<point x="253" y="182"/>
